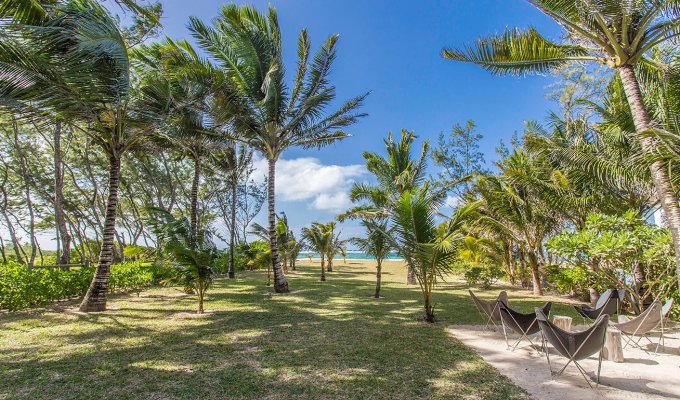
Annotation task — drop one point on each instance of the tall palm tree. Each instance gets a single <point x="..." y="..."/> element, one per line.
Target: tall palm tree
<point x="178" y="86"/>
<point x="396" y="174"/>
<point x="74" y="62"/>
<point x="618" y="33"/>
<point x="430" y="247"/>
<point x="318" y="238"/>
<point x="377" y="245"/>
<point x="270" y="117"/>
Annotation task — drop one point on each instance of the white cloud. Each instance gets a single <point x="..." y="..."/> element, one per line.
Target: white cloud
<point x="325" y="187"/>
<point x="453" y="201"/>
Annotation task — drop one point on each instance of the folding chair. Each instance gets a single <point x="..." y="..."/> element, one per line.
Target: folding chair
<point x="522" y="324"/>
<point x="575" y="346"/>
<point x="643" y="324"/>
<point x="608" y="303"/>
<point x="489" y="310"/>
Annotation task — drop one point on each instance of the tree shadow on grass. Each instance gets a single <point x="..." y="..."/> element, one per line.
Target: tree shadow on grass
<point x="329" y="340"/>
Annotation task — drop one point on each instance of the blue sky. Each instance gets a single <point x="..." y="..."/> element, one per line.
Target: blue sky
<point x="392" y="48"/>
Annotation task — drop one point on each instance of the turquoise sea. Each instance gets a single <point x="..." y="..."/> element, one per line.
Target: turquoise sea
<point x="351" y="255"/>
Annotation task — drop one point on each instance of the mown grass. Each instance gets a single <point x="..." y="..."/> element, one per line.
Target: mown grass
<point x="326" y="340"/>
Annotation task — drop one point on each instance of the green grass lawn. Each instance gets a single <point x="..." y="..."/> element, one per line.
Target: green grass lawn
<point x="323" y="340"/>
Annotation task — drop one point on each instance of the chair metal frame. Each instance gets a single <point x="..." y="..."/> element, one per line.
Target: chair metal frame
<point x="630" y="337"/>
<point x="571" y="359"/>
<point x="483" y="314"/>
<point x="524" y="334"/>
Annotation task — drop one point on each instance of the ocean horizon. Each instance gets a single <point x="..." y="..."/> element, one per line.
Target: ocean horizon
<point x="351" y="255"/>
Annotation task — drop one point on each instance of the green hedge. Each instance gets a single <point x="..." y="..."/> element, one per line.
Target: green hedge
<point x="21" y="287"/>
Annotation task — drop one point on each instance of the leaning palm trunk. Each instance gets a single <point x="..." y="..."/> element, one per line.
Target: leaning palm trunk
<point x="664" y="190"/>
<point x="64" y="236"/>
<point x="95" y="298"/>
<point x="280" y="283"/>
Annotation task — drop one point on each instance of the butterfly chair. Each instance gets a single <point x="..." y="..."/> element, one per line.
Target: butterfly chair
<point x="643" y="324"/>
<point x="575" y="346"/>
<point x="522" y="324"/>
<point x="608" y="303"/>
<point x="490" y="311"/>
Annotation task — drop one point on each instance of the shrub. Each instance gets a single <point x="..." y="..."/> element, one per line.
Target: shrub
<point x="483" y="276"/>
<point x="21" y="287"/>
<point x="571" y="280"/>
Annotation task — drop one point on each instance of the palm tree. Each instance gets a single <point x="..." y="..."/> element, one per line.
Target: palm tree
<point x="431" y="248"/>
<point x="377" y="245"/>
<point x="193" y="250"/>
<point x="79" y="70"/>
<point x="336" y="245"/>
<point x="318" y="238"/>
<point x="178" y="86"/>
<point x="511" y="208"/>
<point x="618" y="33"/>
<point x="259" y="106"/>
<point x="396" y="174"/>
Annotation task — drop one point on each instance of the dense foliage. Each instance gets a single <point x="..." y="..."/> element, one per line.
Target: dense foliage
<point x="23" y="287"/>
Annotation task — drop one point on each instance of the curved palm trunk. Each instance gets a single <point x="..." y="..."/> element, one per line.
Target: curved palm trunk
<point x="232" y="233"/>
<point x="662" y="183"/>
<point x="535" y="274"/>
<point x="64" y="236"/>
<point x="280" y="283"/>
<point x="95" y="298"/>
<point x="194" y="199"/>
<point x="378" y="277"/>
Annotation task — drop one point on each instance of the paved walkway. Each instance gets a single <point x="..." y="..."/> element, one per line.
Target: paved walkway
<point x="642" y="375"/>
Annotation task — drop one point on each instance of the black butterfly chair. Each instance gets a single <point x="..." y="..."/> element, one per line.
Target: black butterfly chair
<point x="490" y="311"/>
<point x="608" y="303"/>
<point x="522" y="324"/>
<point x="575" y="346"/>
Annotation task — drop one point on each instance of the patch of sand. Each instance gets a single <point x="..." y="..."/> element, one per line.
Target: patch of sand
<point x="641" y="376"/>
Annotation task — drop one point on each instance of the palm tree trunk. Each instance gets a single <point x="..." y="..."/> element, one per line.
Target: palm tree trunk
<point x="64" y="236"/>
<point x="662" y="183"/>
<point x="280" y="283"/>
<point x="378" y="277"/>
<point x="194" y="200"/>
<point x="95" y="298"/>
<point x="323" y="268"/>
<point x="410" y="276"/>
<point x="330" y="264"/>
<point x="535" y="274"/>
<point x="429" y="311"/>
<point x="232" y="232"/>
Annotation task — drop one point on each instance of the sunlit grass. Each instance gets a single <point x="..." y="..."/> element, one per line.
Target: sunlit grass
<point x="323" y="340"/>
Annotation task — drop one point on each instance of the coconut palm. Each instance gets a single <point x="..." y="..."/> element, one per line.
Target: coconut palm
<point x="74" y="63"/>
<point x="178" y="86"/>
<point x="377" y="245"/>
<point x="512" y="209"/>
<point x="318" y="238"/>
<point x="269" y="116"/>
<point x="431" y="248"/>
<point x="336" y="245"/>
<point x="618" y="33"/>
<point x="396" y="173"/>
